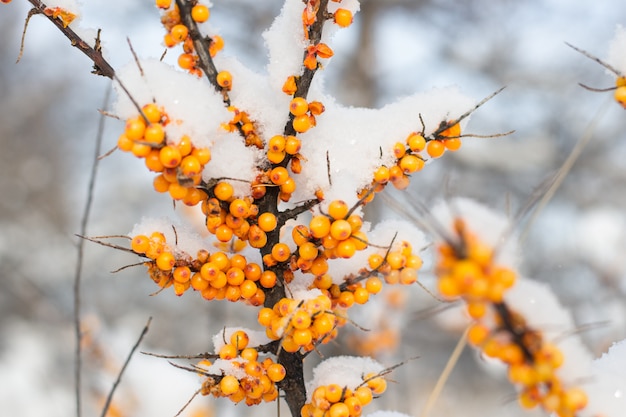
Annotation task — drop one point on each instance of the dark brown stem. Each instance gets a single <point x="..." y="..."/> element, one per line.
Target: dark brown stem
<point x="100" y="65"/>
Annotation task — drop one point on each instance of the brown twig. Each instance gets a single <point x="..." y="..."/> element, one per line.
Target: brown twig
<point x="119" y="376"/>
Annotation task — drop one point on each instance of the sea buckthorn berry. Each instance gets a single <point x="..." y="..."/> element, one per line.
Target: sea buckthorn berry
<point x="256" y="237"/>
<point x="177" y="191"/>
<point x="340" y="229"/>
<point x="154" y="133"/>
<point x="399" y="149"/>
<point x="229" y="385"/>
<point x="163" y="4"/>
<point x="179" y="32"/>
<point x="276" y="143"/>
<point x="275" y="157"/>
<point x="267" y="222"/>
<point x="279" y="175"/>
<point x="186" y="61"/>
<point x="381" y="175"/>
<point x="301" y="320"/>
<point x="290" y="86"/>
<point x="292" y="145"/>
<point x="308" y="251"/>
<point x="302" y="337"/>
<point x="319" y="226"/>
<point x="375" y="260"/>
<point x="190" y="166"/>
<point x="200" y="13"/>
<point x="268" y="279"/>
<point x="343" y="17"/>
<point x="298" y="106"/>
<point x="411" y="163"/>
<point x="124" y="143"/>
<point x="165" y="261"/>
<point x="135" y="128"/>
<point x="373" y="285"/>
<point x="182" y="274"/>
<point x="453" y="144"/>
<point x="316" y="108"/>
<point x="153" y="162"/>
<point x="364" y="395"/>
<point x="416" y="142"/>
<point x="408" y="276"/>
<point x="300" y="234"/>
<point x="239" y="208"/>
<point x="235" y="276"/>
<point x="302" y="123"/>
<point x="225" y="79"/>
<point x="170" y="156"/>
<point x="288" y="187"/>
<point x="295" y="165"/>
<point x="361" y="295"/>
<point x="378" y="385"/>
<point x="140" y="244"/>
<point x="202" y="154"/>
<point x="453" y="131"/>
<point x="281" y="252"/>
<point x="338" y="209"/>
<point x="152" y="112"/>
<point x="223" y="233"/>
<point x="276" y="372"/>
<point x="239" y="339"/>
<point x="435" y="148"/>
<point x="160" y="184"/>
<point x="223" y="191"/>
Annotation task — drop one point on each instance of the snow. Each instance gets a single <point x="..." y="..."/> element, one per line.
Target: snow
<point x="257" y="338"/>
<point x="345" y="371"/>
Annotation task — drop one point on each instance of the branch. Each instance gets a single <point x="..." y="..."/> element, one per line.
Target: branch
<point x="100" y="65"/>
<point x="119" y="376"/>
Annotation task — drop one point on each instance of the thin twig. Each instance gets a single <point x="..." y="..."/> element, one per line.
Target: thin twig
<point x="445" y="374"/>
<point x="80" y="258"/>
<point x="119" y="376"/>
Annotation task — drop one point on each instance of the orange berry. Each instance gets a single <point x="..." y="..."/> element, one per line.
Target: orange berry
<point x="223" y="233"/>
<point x="160" y="184"/>
<point x="301" y="320"/>
<point x="170" y="156"/>
<point x="275" y="157"/>
<point x="182" y="274"/>
<point x="281" y="252"/>
<point x="340" y="229"/>
<point x="302" y="337"/>
<point x="152" y="112"/>
<point x="235" y="276"/>
<point x="343" y="17"/>
<point x="202" y="154"/>
<point x="229" y="385"/>
<point x="256" y="236"/>
<point x="200" y="13"/>
<point x="179" y="32"/>
<point x="140" y="244"/>
<point x="239" y="339"/>
<point x="298" y="106"/>
<point x="381" y="175"/>
<point x="276" y="143"/>
<point x="223" y="191"/>
<point x="190" y="166"/>
<point x="288" y="187"/>
<point x="268" y="279"/>
<point x="165" y="261"/>
<point x="292" y="145"/>
<point x="163" y="4"/>
<point x="375" y="260"/>
<point x="373" y="285"/>
<point x="319" y="226"/>
<point x="361" y="295"/>
<point x="411" y="163"/>
<point x="416" y="142"/>
<point x="364" y="395"/>
<point x="279" y="175"/>
<point x="141" y="150"/>
<point x="338" y="209"/>
<point x="252" y="271"/>
<point x="620" y="95"/>
<point x="267" y="222"/>
<point x="302" y="123"/>
<point x="308" y="251"/>
<point x="186" y="61"/>
<point x="135" y="128"/>
<point x="453" y="131"/>
<point x="152" y="161"/>
<point x="239" y="208"/>
<point x="154" y="133"/>
<point x="276" y="372"/>
<point x="225" y="79"/>
<point x="435" y="148"/>
<point x="124" y="143"/>
<point x="452" y="144"/>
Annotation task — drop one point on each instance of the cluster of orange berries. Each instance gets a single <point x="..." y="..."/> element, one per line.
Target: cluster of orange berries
<point x="179" y="164"/>
<point x="255" y="381"/>
<point x="300" y="324"/>
<point x="304" y="113"/>
<point x="469" y="272"/>
<point x="178" y="33"/>
<point x="335" y="401"/>
<point x="241" y="120"/>
<point x="215" y="276"/>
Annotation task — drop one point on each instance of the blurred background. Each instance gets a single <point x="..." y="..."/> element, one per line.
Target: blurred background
<point x="48" y="126"/>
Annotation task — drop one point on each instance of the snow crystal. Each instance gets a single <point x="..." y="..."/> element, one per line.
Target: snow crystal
<point x="345" y="371"/>
<point x="607" y="387"/>
<point x="225" y="367"/>
<point x="233" y="159"/>
<point x="617" y="50"/>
